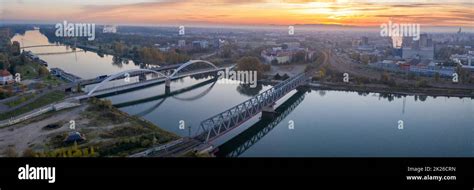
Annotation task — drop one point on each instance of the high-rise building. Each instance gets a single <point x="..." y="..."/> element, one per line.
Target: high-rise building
<point x="397" y="41"/>
<point x="429" y="42"/>
<point x="364" y="41"/>
<point x="423" y="40"/>
<point x="407" y="41"/>
<point x="200" y="44"/>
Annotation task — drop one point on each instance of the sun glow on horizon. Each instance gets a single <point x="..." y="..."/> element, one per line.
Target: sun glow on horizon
<point x="259" y="12"/>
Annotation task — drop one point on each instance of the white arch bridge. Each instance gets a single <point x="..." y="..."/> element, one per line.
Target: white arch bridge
<point x="184" y="70"/>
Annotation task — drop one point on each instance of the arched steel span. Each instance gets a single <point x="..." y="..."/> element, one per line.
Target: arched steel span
<point x="120" y="74"/>
<point x="190" y="62"/>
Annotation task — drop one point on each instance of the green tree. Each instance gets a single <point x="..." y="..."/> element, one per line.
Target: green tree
<point x="151" y="55"/>
<point x="118" y="48"/>
<point x="226" y="51"/>
<point x="15" y="48"/>
<point x="436" y="76"/>
<point x="146" y="143"/>
<point x="422" y="83"/>
<point x="365" y="59"/>
<point x="355" y="56"/>
<point x="4" y="62"/>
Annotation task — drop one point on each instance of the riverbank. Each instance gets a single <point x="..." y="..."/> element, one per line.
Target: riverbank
<point x="420" y="91"/>
<point x="377" y="88"/>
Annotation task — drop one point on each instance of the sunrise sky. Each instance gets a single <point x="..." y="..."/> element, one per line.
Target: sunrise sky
<point x="243" y="12"/>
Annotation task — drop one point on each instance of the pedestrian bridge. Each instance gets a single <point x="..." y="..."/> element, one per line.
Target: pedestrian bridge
<point x="33" y="46"/>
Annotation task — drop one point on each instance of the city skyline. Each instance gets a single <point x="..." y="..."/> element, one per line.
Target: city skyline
<point x="364" y="13"/>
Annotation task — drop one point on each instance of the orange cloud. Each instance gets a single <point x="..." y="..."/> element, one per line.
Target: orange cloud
<point x="255" y="12"/>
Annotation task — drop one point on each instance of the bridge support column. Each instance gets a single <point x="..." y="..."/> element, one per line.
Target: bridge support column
<point x="303" y="88"/>
<point x="268" y="111"/>
<point x="167" y="86"/>
<point x="142" y="77"/>
<point x="214" y="74"/>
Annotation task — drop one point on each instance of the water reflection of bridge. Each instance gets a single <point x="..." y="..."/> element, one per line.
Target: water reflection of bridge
<point x="246" y="139"/>
<point x="171" y="94"/>
<point x="57" y="53"/>
<point x="226" y="121"/>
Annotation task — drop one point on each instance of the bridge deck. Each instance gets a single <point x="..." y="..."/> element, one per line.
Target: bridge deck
<point x="145" y="83"/>
<point x="243" y="141"/>
<point x="159" y="69"/>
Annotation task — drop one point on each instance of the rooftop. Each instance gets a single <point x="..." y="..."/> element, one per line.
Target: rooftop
<point x="4" y="73"/>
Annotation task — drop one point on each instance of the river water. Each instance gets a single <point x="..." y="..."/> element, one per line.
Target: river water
<point x="83" y="64"/>
<point x="311" y="124"/>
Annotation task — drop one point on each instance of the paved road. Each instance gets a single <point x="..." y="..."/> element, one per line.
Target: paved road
<point x="43" y="92"/>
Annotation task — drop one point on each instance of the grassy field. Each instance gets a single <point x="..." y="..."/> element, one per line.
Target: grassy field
<point x="111" y="132"/>
<point x="20" y="100"/>
<point x="51" y="80"/>
<point x="130" y="134"/>
<point x="40" y="102"/>
<point x="31" y="71"/>
<point x="28" y="71"/>
<point x="107" y="131"/>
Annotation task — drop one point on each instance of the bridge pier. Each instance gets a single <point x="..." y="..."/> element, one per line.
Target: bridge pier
<point x="142" y="77"/>
<point x="303" y="88"/>
<point x="268" y="111"/>
<point x="167" y="86"/>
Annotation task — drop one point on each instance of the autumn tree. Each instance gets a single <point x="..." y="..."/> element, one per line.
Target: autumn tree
<point x="10" y="152"/>
<point x="15" y="48"/>
<point x="42" y="71"/>
<point x="29" y="153"/>
<point x="250" y="64"/>
<point x="436" y="76"/>
<point x="4" y="62"/>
